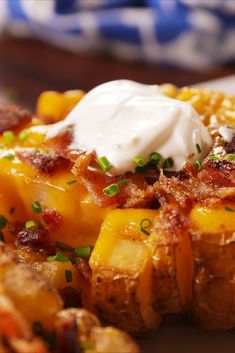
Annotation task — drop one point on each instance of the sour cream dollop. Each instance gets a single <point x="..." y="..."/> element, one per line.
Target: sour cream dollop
<point x="123" y="119"/>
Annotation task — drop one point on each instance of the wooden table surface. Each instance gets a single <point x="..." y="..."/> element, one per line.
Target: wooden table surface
<point x="28" y="67"/>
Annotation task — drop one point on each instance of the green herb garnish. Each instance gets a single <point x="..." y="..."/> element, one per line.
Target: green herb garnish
<point x="24" y="134"/>
<point x="230" y="157"/>
<point x="70" y="182"/>
<point x="3" y="222"/>
<point x="36" y="207"/>
<point x="9" y="156"/>
<point x="68" y="276"/>
<point x="111" y="190"/>
<point x="213" y="157"/>
<point x="12" y="210"/>
<point x="64" y="246"/>
<point x="37" y="328"/>
<point x="59" y="256"/>
<point x="122" y="182"/>
<point x="31" y="224"/>
<point x="198" y="164"/>
<point x="139" y="161"/>
<point x="8" y="137"/>
<point x="144" y="225"/>
<point x="104" y="164"/>
<point x="168" y="163"/>
<point x="229" y="209"/>
<point x="199" y="150"/>
<point x="155" y="158"/>
<point x="83" y="252"/>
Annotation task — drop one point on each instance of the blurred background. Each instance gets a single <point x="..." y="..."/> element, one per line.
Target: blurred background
<point x="69" y="44"/>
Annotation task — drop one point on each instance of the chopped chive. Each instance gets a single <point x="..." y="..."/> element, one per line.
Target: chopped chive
<point x="68" y="276"/>
<point x="84" y="252"/>
<point x="199" y="150"/>
<point x="70" y="182"/>
<point x="37" y="328"/>
<point x="9" y="156"/>
<point x="122" y="182"/>
<point x="59" y="256"/>
<point x="168" y="163"/>
<point x="24" y="134"/>
<point x="3" y="222"/>
<point x="8" y="137"/>
<point x="12" y="210"/>
<point x="198" y="164"/>
<point x="104" y="164"/>
<point x="145" y="223"/>
<point x="139" y="161"/>
<point x="36" y="207"/>
<point x="31" y="224"/>
<point x="2" y="236"/>
<point x="230" y="157"/>
<point x="86" y="345"/>
<point x="155" y="158"/>
<point x="111" y="190"/>
<point x="229" y="209"/>
<point x="213" y="157"/>
<point x="64" y="246"/>
<point x="141" y="169"/>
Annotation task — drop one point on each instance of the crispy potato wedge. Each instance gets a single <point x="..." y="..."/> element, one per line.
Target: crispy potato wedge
<point x="172" y="260"/>
<point x="213" y="300"/>
<point x="122" y="270"/>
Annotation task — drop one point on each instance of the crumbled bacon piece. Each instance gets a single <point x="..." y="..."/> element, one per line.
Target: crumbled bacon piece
<point x="95" y="182"/>
<point x="230" y="146"/>
<point x="42" y="162"/>
<point x="35" y="238"/>
<point x="12" y="117"/>
<point x="218" y="173"/>
<point x="52" y="218"/>
<point x="84" y="269"/>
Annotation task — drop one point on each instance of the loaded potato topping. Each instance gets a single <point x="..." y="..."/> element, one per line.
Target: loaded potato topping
<point x="120" y="202"/>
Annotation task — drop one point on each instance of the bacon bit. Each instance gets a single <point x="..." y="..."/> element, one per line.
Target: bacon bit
<point x="59" y="144"/>
<point x="230" y="146"/>
<point x="42" y="162"/>
<point x="36" y="238"/>
<point x="15" y="227"/>
<point x="12" y="117"/>
<point x="84" y="269"/>
<point x="184" y="192"/>
<point x="95" y="182"/>
<point x="82" y="163"/>
<point x="218" y="173"/>
<point x="52" y="218"/>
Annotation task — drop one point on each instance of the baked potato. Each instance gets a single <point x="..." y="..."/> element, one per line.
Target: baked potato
<point x="163" y="246"/>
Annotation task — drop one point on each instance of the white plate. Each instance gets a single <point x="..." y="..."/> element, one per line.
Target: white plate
<point x="225" y="84"/>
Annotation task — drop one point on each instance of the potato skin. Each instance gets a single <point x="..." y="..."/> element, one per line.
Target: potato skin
<point x="27" y="290"/>
<point x="172" y="261"/>
<point x="167" y="294"/>
<point x="213" y="300"/>
<point x="115" y="300"/>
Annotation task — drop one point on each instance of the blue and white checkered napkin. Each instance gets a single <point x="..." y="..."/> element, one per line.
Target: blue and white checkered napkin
<point x="186" y="33"/>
